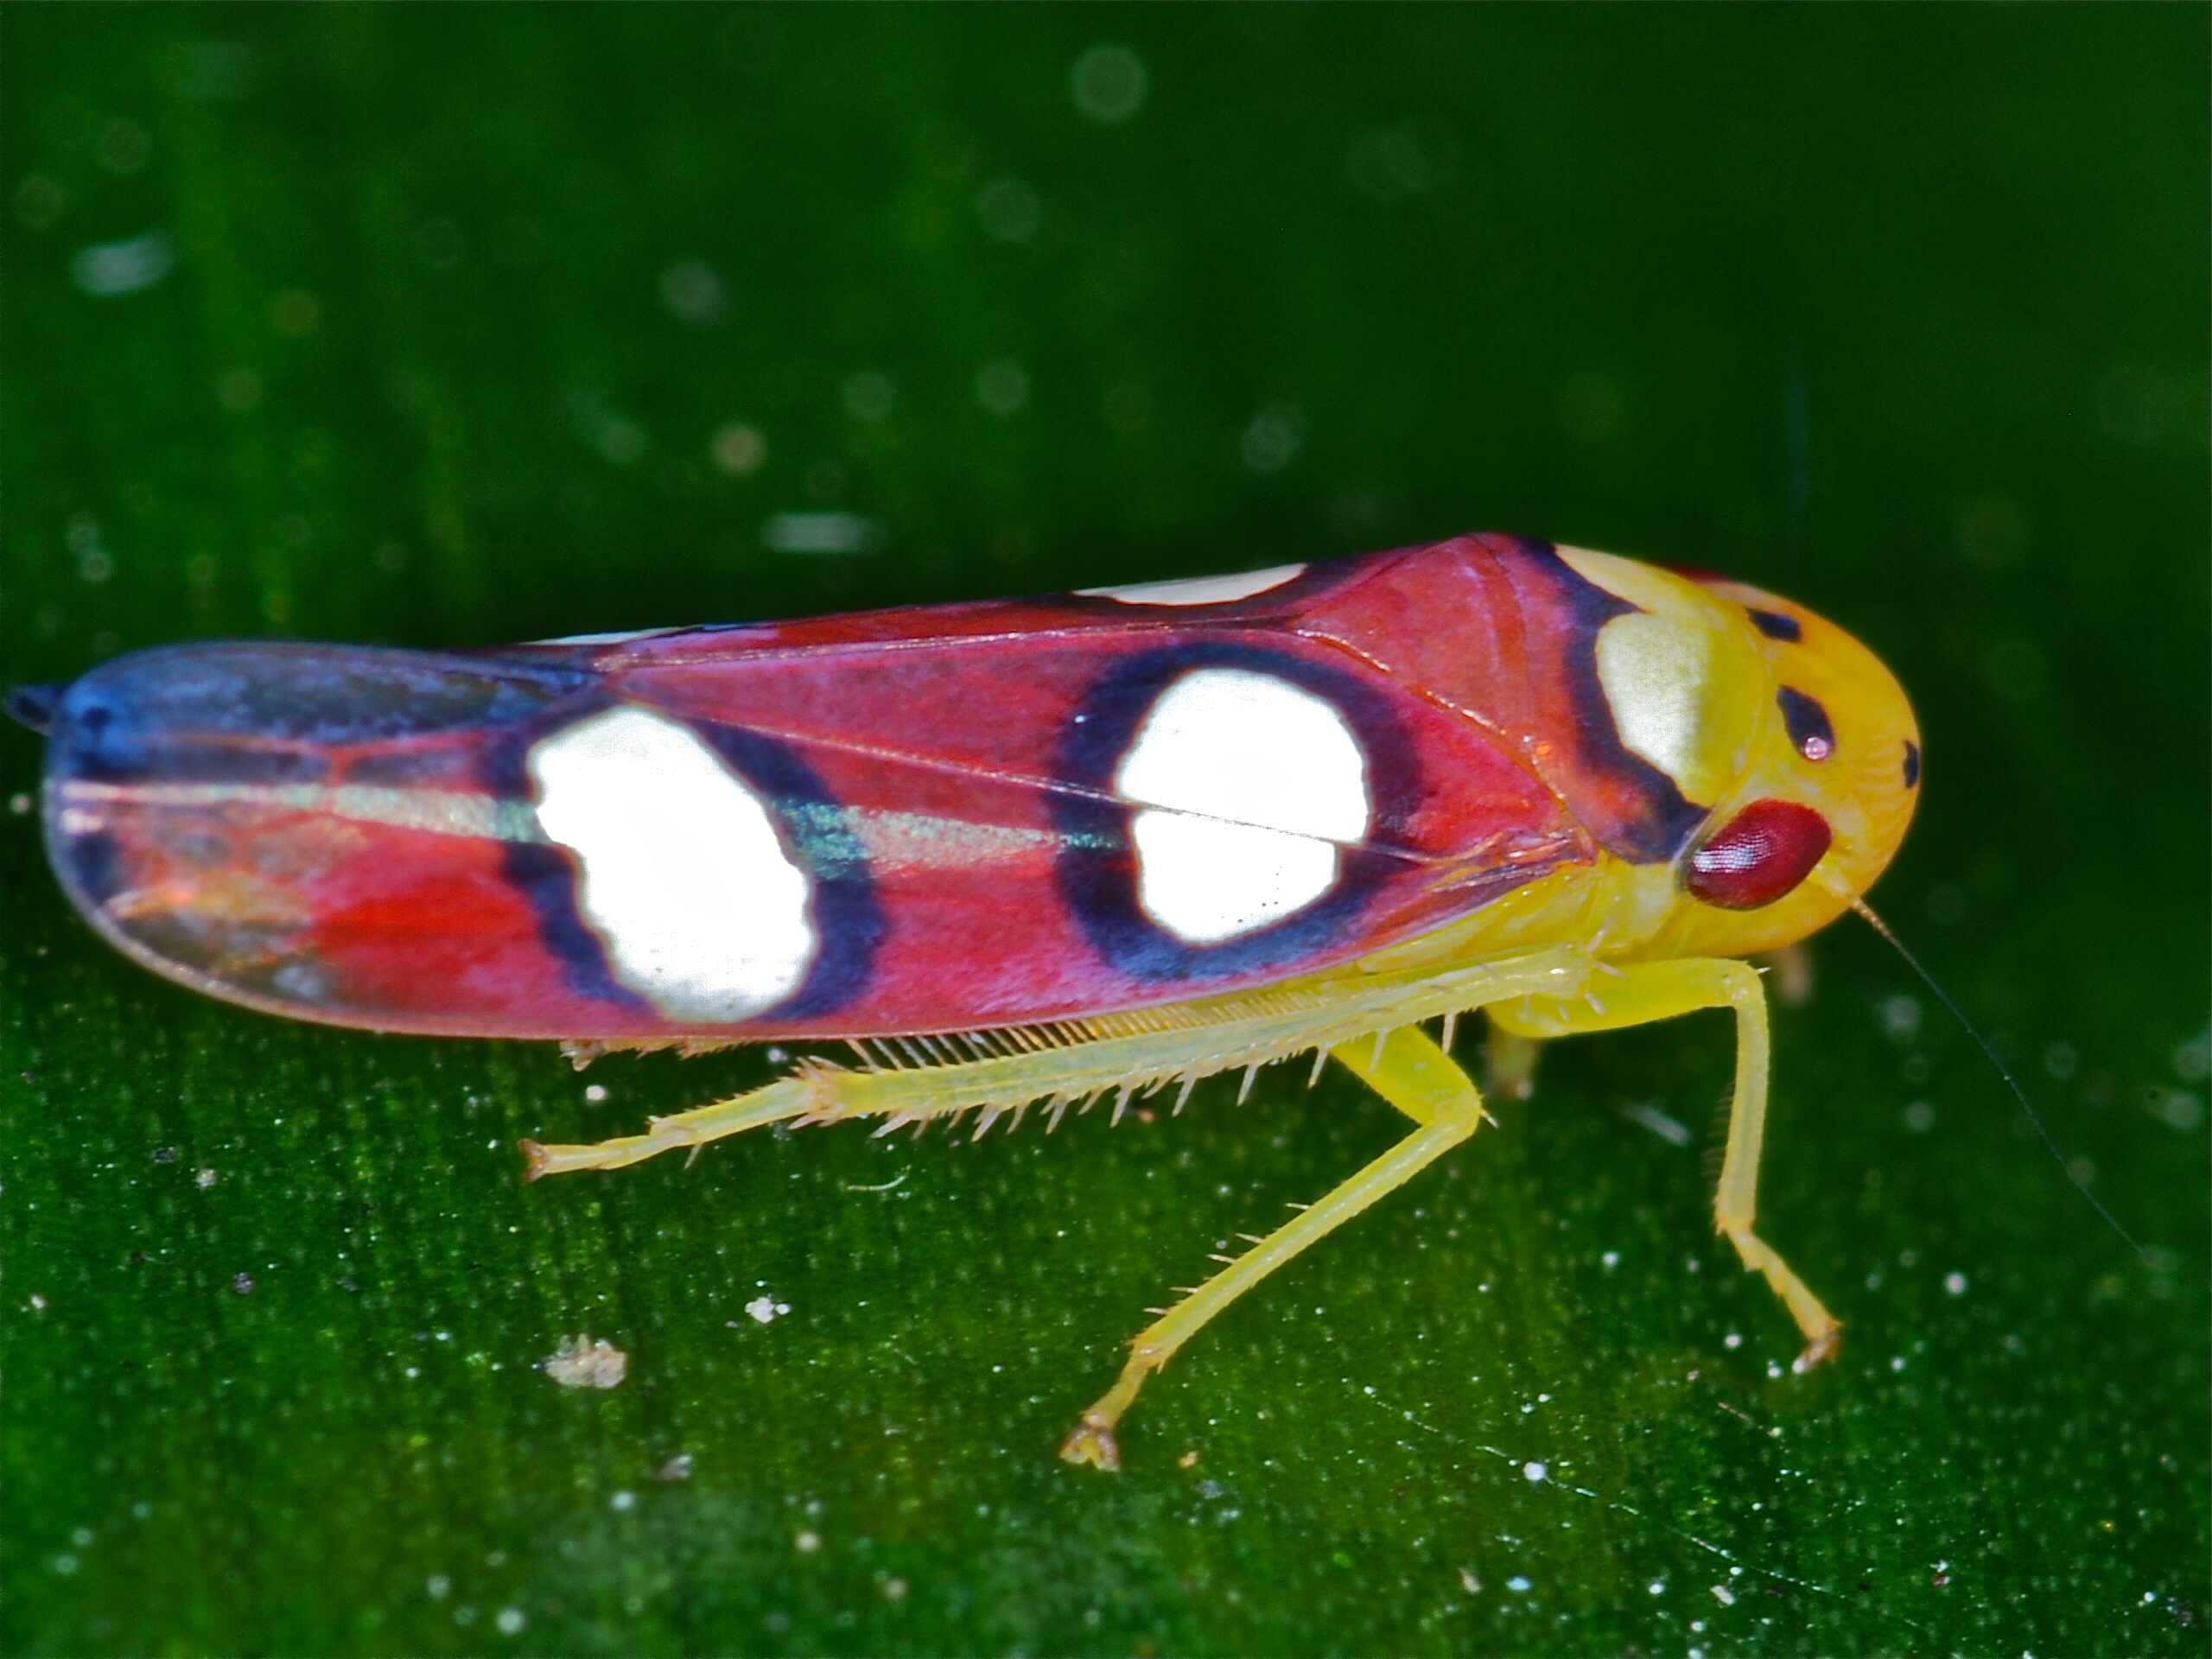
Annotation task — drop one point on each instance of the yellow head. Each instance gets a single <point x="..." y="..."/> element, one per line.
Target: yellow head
<point x="1794" y="733"/>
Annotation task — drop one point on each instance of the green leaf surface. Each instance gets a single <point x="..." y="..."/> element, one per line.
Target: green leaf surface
<point x="444" y="326"/>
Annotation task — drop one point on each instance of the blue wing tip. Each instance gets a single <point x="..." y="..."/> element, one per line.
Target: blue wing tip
<point x="34" y="706"/>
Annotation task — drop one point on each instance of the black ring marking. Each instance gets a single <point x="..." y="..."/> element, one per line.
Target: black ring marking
<point x="1098" y="865"/>
<point x="547" y="874"/>
<point x="1668" y="821"/>
<point x="847" y="918"/>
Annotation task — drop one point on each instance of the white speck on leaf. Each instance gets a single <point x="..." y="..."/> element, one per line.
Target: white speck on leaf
<point x="581" y="1362"/>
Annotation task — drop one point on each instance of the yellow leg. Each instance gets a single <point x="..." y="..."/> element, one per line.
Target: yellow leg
<point x="781" y="1100"/>
<point x="1145" y="1049"/>
<point x="1408" y="1070"/>
<point x="1364" y="1019"/>
<point x="1659" y="990"/>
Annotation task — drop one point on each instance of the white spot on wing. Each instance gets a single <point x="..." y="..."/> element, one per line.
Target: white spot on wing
<point x="1654" y="671"/>
<point x="1205" y="880"/>
<point x="1250" y="785"/>
<point x="1199" y="590"/>
<point x="1249" y="748"/>
<point x="682" y="876"/>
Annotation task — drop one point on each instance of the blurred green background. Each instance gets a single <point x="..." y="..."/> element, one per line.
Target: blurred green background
<point x="461" y="325"/>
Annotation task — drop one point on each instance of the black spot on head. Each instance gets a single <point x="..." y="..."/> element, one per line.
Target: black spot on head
<point x="1911" y="764"/>
<point x="1775" y="626"/>
<point x="1810" y="734"/>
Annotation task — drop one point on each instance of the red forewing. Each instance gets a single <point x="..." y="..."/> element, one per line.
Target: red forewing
<point x="945" y="790"/>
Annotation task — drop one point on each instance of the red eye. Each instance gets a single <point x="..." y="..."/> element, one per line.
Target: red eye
<point x="1759" y="856"/>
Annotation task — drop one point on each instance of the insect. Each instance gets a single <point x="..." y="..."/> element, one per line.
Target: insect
<point x="1025" y="853"/>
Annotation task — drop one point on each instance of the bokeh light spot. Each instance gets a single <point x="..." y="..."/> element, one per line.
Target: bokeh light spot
<point x="870" y="395"/>
<point x="237" y="389"/>
<point x="294" y="313"/>
<point x="107" y="268"/>
<point x="695" y="292"/>
<point x="1110" y="83"/>
<point x="740" y="449"/>
<point x="1002" y="387"/>
<point x="1398" y="162"/>
<point x="1272" y="438"/>
<point x="39" y="201"/>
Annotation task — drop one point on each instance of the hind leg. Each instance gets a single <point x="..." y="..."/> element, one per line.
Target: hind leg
<point x="1411" y="1072"/>
<point x="994" y="1072"/>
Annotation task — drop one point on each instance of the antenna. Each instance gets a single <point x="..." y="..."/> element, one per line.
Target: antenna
<point x="2011" y="1083"/>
